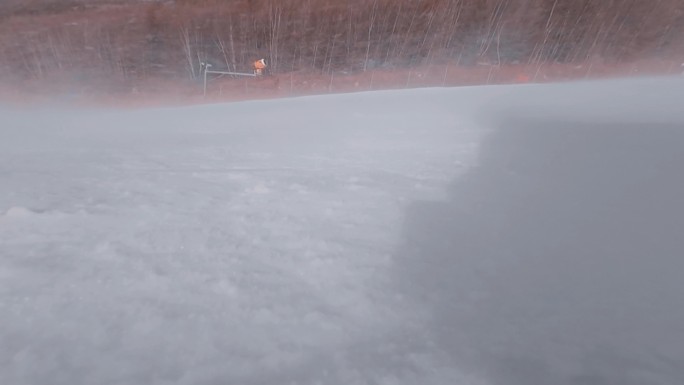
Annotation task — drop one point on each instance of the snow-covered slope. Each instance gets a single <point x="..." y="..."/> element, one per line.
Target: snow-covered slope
<point x="486" y="235"/>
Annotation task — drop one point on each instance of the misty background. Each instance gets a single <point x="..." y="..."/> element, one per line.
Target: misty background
<point x="156" y="48"/>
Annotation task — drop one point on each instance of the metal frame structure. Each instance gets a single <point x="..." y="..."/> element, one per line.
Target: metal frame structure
<point x="206" y="70"/>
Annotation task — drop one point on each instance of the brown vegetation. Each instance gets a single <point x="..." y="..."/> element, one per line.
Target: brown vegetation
<point x="126" y="45"/>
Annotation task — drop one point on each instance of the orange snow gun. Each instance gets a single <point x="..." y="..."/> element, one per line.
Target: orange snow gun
<point x="259" y="67"/>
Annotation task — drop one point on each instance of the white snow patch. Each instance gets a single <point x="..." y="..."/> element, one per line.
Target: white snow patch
<point x="18" y="212"/>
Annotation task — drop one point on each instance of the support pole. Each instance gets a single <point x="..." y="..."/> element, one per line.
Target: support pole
<point x="206" y="69"/>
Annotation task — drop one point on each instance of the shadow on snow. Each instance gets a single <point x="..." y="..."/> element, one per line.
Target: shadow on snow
<point x="559" y="258"/>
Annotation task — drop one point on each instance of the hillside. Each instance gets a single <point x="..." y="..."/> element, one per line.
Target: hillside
<point x="499" y="235"/>
<point x="127" y="46"/>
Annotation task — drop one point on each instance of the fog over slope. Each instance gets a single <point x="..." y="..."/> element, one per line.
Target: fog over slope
<point x="483" y="235"/>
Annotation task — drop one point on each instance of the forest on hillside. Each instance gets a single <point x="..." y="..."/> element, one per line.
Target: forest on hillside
<point x="125" y="39"/>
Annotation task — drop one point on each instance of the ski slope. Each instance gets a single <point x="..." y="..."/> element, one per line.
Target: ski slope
<point x="503" y="235"/>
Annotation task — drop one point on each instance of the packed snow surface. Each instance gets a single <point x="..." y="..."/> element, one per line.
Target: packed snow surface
<point x="503" y="235"/>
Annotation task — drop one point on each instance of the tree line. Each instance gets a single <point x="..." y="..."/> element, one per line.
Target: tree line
<point x="133" y="39"/>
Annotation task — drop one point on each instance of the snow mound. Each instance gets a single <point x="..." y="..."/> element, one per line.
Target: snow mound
<point x="19" y="212"/>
